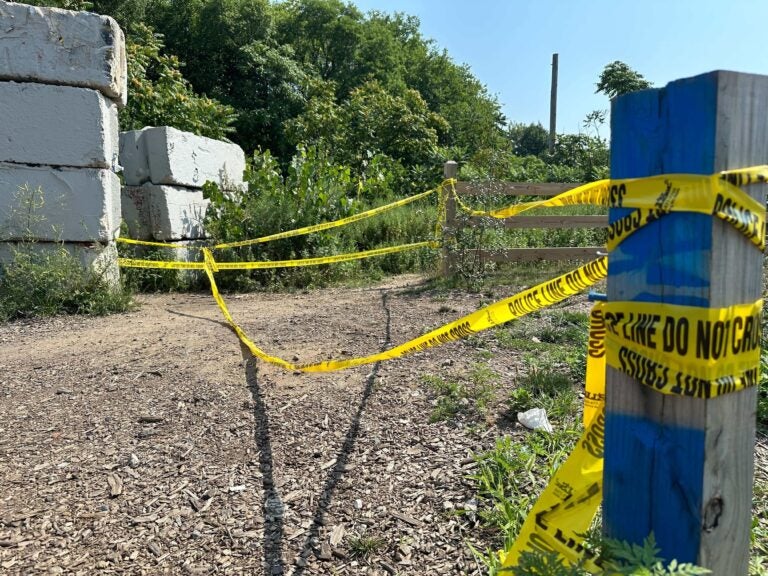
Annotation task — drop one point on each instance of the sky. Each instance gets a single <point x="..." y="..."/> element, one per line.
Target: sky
<point x="508" y="45"/>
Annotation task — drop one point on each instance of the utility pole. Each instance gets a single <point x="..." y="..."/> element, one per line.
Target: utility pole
<point x="553" y="106"/>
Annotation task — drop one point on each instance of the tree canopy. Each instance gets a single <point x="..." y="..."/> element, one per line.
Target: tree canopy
<point x="369" y="89"/>
<point x="617" y="78"/>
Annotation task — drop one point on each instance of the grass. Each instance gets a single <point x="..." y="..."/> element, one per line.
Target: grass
<point x="363" y="546"/>
<point x="469" y="395"/>
<point x="37" y="282"/>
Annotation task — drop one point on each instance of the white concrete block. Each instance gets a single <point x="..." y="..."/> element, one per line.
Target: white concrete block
<point x="57" y="126"/>
<point x="133" y="157"/>
<point x="134" y="204"/>
<point x="100" y="258"/>
<point x="183" y="159"/>
<point x="54" y="46"/>
<point x="68" y="204"/>
<point x="176" y="213"/>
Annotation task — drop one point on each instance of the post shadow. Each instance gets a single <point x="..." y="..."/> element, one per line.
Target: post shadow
<point x="273" y="523"/>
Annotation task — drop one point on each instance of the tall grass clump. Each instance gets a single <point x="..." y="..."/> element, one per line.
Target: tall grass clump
<point x="45" y="279"/>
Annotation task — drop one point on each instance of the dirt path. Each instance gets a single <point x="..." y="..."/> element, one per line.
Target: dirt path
<point x="142" y="443"/>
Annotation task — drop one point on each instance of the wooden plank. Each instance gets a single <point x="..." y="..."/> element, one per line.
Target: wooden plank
<point x="519" y="222"/>
<point x="534" y="254"/>
<point x="681" y="467"/>
<point x="513" y="188"/>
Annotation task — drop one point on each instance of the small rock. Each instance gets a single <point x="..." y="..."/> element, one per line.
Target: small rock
<point x="133" y="461"/>
<point x="358" y="504"/>
<point x="115" y="485"/>
<point x="61" y="391"/>
<point x="325" y="552"/>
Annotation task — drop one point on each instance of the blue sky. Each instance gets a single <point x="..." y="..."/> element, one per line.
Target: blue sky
<point x="508" y="44"/>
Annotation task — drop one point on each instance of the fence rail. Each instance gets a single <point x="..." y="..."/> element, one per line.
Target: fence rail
<point x="453" y="224"/>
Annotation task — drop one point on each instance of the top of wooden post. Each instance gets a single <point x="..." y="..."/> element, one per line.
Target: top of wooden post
<point x="450" y="169"/>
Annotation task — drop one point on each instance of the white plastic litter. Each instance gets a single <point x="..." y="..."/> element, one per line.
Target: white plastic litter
<point x="535" y="419"/>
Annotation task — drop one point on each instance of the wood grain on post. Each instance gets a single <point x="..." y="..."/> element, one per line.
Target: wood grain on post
<point x="450" y="170"/>
<point x="682" y="468"/>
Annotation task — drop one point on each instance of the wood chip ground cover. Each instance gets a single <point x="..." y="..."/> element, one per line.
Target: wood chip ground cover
<point x="144" y="443"/>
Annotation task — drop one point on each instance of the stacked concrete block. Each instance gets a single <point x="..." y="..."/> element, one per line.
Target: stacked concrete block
<point x="62" y="79"/>
<point x="164" y="170"/>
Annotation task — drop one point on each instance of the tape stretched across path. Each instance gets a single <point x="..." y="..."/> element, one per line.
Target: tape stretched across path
<point x="333" y="224"/>
<point x="266" y="264"/>
<point x="652" y="197"/>
<point x="530" y="300"/>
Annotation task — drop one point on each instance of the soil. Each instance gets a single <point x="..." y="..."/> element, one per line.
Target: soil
<point x="147" y="443"/>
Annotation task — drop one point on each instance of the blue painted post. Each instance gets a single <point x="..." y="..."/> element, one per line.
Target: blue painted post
<point x="680" y="467"/>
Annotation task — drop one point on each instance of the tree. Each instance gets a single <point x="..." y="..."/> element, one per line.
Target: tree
<point x="528" y="140"/>
<point x="617" y="78"/>
<point x="160" y="96"/>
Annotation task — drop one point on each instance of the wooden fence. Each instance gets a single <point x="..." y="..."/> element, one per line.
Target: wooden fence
<point x="512" y="189"/>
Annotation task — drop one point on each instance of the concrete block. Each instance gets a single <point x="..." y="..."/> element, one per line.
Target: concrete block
<point x="134" y="203"/>
<point x="183" y="159"/>
<point x="57" y="126"/>
<point x="133" y="157"/>
<point x="176" y="213"/>
<point x="54" y="46"/>
<point x="100" y="258"/>
<point x="58" y="204"/>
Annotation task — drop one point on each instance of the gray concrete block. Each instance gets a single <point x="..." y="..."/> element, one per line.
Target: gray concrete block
<point x="133" y="157"/>
<point x="176" y="213"/>
<point x="57" y="126"/>
<point x="183" y="159"/>
<point x="99" y="258"/>
<point x="134" y="204"/>
<point x="58" y="204"/>
<point x="54" y="46"/>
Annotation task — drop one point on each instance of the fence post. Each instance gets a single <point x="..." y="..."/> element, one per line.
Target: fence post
<point x="682" y="468"/>
<point x="450" y="170"/>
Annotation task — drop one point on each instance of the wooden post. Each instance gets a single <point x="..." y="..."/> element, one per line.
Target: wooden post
<point x="553" y="107"/>
<point x="680" y="467"/>
<point x="450" y="170"/>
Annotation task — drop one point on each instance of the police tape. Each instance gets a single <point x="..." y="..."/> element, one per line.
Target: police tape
<point x="685" y="350"/>
<point x="161" y="264"/>
<point x="594" y="380"/>
<point x="565" y="510"/>
<point x="169" y="245"/>
<point x="530" y="300"/>
<point x="563" y="513"/>
<point x="655" y="196"/>
<point x="333" y="224"/>
<point x="267" y="264"/>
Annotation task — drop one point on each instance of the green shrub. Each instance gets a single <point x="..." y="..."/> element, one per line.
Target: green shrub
<point x="314" y="190"/>
<point x="40" y="282"/>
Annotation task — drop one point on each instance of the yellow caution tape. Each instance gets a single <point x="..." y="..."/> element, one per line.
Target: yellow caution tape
<point x="536" y="298"/>
<point x="158" y="244"/>
<point x="655" y="196"/>
<point x="168" y="265"/>
<point x="179" y="265"/>
<point x="594" y="390"/>
<point x="685" y="350"/>
<point x="566" y="507"/>
<point x="324" y="259"/>
<point x="328" y="225"/>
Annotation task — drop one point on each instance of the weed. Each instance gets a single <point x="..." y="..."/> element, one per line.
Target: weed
<point x="468" y="395"/>
<point x="44" y="279"/>
<point x="46" y="282"/>
<point x="363" y="546"/>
